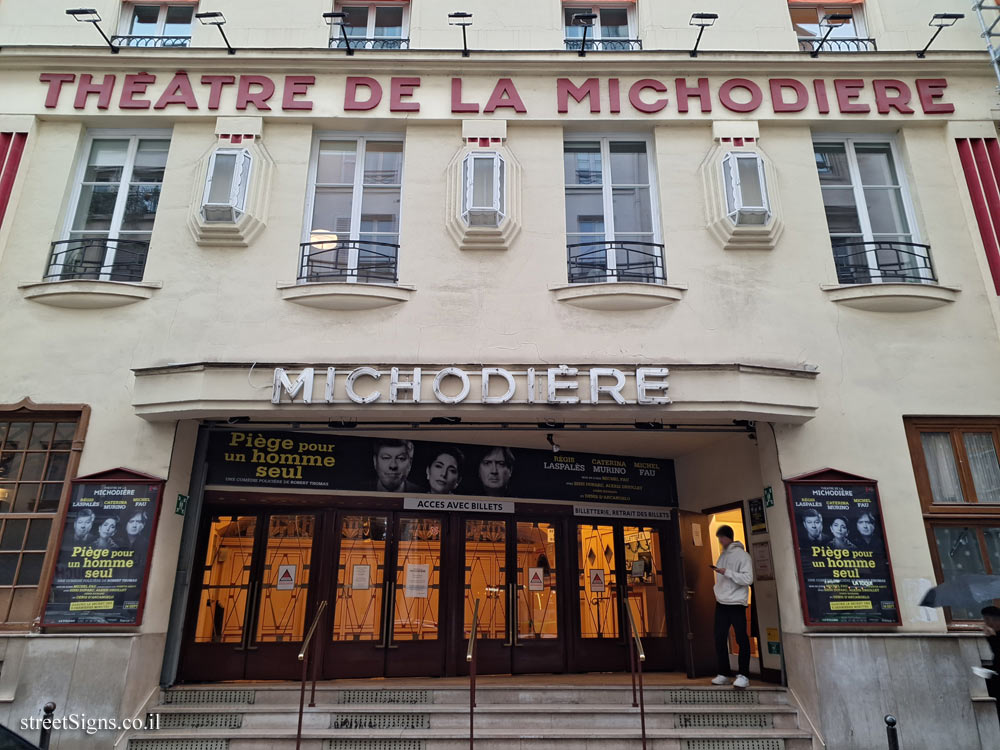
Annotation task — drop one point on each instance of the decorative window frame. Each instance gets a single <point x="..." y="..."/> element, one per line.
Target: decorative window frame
<point x="472" y="237"/>
<point x="731" y="235"/>
<point x="254" y="215"/>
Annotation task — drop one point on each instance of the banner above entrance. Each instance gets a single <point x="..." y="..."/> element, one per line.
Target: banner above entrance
<point x="317" y="461"/>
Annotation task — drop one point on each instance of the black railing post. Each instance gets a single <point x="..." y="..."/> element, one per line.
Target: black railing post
<point x="890" y="732"/>
<point x="45" y="733"/>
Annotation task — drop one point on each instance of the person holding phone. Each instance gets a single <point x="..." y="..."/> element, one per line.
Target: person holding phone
<point x="733" y="576"/>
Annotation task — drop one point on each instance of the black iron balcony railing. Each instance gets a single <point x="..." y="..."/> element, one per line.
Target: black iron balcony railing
<point x="97" y="258"/>
<point x="331" y="261"/>
<point x="361" y="42"/>
<point x="809" y="44"/>
<point x="605" y="45"/>
<point x="151" y="41"/>
<point x="883" y="261"/>
<point x="633" y="261"/>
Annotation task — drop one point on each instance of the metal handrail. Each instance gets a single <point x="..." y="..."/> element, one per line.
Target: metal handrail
<point x="635" y="648"/>
<point x="604" y="45"/>
<point x="470" y="657"/>
<point x="894" y="262"/>
<point x="87" y="258"/>
<point x="591" y="266"/>
<point x="370" y="42"/>
<point x="151" y="41"/>
<point x="854" y="44"/>
<point x="377" y="262"/>
<point x="45" y="733"/>
<point x="306" y="642"/>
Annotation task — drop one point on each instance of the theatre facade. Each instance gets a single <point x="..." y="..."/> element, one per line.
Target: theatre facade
<point x="377" y="339"/>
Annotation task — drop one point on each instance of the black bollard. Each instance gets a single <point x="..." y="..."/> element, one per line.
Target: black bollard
<point x="43" y="735"/>
<point x="890" y="732"/>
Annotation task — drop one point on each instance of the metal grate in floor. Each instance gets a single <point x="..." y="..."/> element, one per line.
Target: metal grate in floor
<point x="208" y="696"/>
<point x="713" y="697"/>
<point x="734" y="745"/>
<point x="213" y="721"/>
<point x="368" y="697"/>
<point x="178" y="744"/>
<point x="380" y="721"/>
<point x="387" y="744"/>
<point x="732" y="721"/>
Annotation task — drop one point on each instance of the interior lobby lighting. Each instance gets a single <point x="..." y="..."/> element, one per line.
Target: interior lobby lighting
<point x="337" y="19"/>
<point x="586" y="20"/>
<point x="702" y="21"/>
<point x="89" y="15"/>
<point x="215" y="18"/>
<point x="830" y="21"/>
<point x="463" y="19"/>
<point x="940" y="20"/>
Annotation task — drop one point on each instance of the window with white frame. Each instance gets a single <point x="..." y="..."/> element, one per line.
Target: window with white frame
<point x="112" y="209"/>
<point x="352" y="232"/>
<point x="226" y="185"/>
<point x="483" y="189"/>
<point x="611" y="224"/>
<point x="846" y="24"/>
<point x="868" y="212"/>
<point x="373" y="25"/>
<point x="746" y="188"/>
<point x="613" y="29"/>
<point x="156" y="24"/>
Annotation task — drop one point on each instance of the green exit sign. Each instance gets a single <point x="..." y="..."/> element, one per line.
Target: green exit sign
<point x="182" y="504"/>
<point x="768" y="497"/>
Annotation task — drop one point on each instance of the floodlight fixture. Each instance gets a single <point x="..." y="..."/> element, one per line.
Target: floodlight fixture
<point x="702" y="21"/>
<point x="586" y="20"/>
<point x="830" y="21"/>
<point x="463" y="19"/>
<point x="941" y="21"/>
<point x="90" y="15"/>
<point x="215" y="18"/>
<point x="338" y="19"/>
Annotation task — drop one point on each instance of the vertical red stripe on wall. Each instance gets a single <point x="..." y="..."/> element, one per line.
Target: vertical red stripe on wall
<point x="13" y="148"/>
<point x="4" y="145"/>
<point x="981" y="205"/>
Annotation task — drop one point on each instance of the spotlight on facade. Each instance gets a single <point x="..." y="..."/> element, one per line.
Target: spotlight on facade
<point x="941" y="21"/>
<point x="337" y="19"/>
<point x="215" y="18"/>
<point x="463" y="19"/>
<point x="89" y="15"/>
<point x="586" y="20"/>
<point x="830" y="21"/>
<point x="702" y="21"/>
<point x="553" y="443"/>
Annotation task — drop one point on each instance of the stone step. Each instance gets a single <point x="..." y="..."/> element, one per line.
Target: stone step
<point x="486" y="739"/>
<point x="441" y="716"/>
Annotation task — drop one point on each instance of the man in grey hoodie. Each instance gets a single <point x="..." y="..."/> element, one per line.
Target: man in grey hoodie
<point x="733" y="576"/>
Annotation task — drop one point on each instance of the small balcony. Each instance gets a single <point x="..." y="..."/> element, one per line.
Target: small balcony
<point x="151" y="41"/>
<point x="883" y="261"/>
<point x="605" y="45"/>
<point x="360" y="261"/>
<point x="360" y="42"/>
<point x="97" y="258"/>
<point x="619" y="261"/>
<point x="857" y="44"/>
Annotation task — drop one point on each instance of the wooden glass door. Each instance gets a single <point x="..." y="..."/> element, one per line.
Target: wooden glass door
<point x="539" y="636"/>
<point x="250" y="606"/>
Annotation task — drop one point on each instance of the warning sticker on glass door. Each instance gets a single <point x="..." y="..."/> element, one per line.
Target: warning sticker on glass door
<point x="597" y="576"/>
<point x="286" y="578"/>
<point x="536" y="579"/>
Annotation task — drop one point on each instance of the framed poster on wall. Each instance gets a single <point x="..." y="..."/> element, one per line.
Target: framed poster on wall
<point x="105" y="548"/>
<point x="845" y="574"/>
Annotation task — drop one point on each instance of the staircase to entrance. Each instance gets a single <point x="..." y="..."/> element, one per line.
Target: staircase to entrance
<point x="580" y="712"/>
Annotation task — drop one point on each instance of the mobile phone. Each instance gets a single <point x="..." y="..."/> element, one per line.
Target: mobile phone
<point x="713" y="567"/>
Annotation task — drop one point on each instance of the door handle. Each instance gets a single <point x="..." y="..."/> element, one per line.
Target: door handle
<point x="510" y="642"/>
<point x="387" y="604"/>
<point x="251" y="617"/>
<point x="514" y="617"/>
<point x="390" y="616"/>
<point x="689" y="594"/>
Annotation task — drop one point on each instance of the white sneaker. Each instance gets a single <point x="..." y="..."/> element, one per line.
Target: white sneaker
<point x="741" y="682"/>
<point x="721" y="679"/>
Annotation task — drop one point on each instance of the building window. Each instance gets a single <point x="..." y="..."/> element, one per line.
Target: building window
<point x="483" y="194"/>
<point x="746" y="188"/>
<point x="373" y="25"/>
<point x="226" y="185"/>
<point x="353" y="227"/>
<point x="112" y="210"/>
<point x="156" y="25"/>
<point x="811" y="22"/>
<point x="613" y="29"/>
<point x="35" y="464"/>
<point x="958" y="480"/>
<point x="610" y="221"/>
<point x="868" y="213"/>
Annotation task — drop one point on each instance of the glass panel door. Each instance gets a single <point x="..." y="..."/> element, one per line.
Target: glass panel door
<point x="281" y="615"/>
<point x="644" y="568"/>
<point x="537" y="582"/>
<point x="357" y="611"/>
<point x="486" y="579"/>
<point x="225" y="579"/>
<point x="597" y="581"/>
